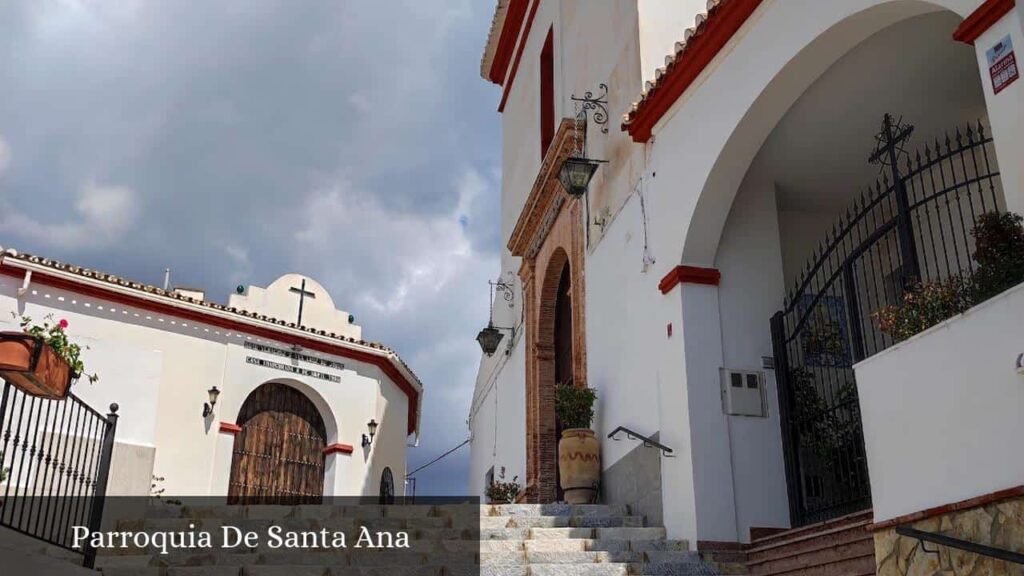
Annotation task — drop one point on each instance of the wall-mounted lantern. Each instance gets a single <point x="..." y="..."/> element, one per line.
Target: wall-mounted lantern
<point x="491" y="336"/>
<point x="577" y="170"/>
<point x="212" y="394"/>
<point x="371" y="427"/>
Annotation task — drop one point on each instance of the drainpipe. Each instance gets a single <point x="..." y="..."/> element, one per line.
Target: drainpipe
<point x="25" y="283"/>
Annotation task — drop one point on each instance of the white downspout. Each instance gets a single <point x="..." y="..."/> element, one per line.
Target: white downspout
<point x="25" y="283"/>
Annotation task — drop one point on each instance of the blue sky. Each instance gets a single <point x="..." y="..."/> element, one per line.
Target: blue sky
<point x="238" y="140"/>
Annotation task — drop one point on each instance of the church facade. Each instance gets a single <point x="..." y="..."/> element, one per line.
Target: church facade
<point x="271" y="397"/>
<point x="783" y="172"/>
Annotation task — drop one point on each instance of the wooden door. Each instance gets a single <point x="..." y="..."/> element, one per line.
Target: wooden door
<point x="279" y="453"/>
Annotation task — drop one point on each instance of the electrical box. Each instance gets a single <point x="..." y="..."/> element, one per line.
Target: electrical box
<point x="743" y="393"/>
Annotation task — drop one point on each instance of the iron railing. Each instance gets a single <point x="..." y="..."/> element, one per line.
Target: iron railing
<point x="912" y="226"/>
<point x="647" y="442"/>
<point x="960" y="544"/>
<point x="55" y="457"/>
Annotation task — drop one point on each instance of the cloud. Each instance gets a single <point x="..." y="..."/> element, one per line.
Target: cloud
<point x="105" y="215"/>
<point x="5" y="155"/>
<point x="236" y="141"/>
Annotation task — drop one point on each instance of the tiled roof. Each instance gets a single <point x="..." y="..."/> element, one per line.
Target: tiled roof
<point x="700" y="44"/>
<point x="497" y="23"/>
<point x="651" y="86"/>
<point x="212" y="306"/>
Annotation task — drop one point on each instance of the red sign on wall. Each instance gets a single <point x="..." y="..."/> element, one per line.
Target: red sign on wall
<point x="1002" y="65"/>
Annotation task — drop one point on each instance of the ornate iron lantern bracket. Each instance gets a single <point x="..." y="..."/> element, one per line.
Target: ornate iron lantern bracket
<point x="599" y="104"/>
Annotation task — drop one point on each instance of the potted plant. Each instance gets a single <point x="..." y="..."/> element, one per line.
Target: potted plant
<point x="579" y="451"/>
<point x="501" y="492"/>
<point x="40" y="359"/>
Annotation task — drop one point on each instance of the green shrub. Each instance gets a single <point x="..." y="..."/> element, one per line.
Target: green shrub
<point x="999" y="252"/>
<point x="574" y="406"/>
<point x="501" y="492"/>
<point x="925" y="306"/>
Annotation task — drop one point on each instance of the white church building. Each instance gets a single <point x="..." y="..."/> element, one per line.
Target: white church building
<point x="271" y="397"/>
<point x="783" y="171"/>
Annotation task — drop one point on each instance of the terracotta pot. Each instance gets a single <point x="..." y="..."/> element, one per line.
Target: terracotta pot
<point x="32" y="366"/>
<point x="579" y="465"/>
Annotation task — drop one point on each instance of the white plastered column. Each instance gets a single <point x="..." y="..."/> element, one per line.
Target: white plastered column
<point x="714" y="498"/>
<point x="1006" y="109"/>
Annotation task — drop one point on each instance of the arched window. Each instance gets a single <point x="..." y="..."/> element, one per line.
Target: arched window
<point x="387" y="487"/>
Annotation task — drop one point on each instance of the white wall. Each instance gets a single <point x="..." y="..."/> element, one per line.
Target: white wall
<point x="943" y="411"/>
<point x="498" y="420"/>
<point x="700" y="153"/>
<point x="1006" y="109"/>
<point x="751" y="291"/>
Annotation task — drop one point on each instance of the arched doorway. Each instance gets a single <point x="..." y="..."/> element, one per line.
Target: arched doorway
<point x="563" y="330"/>
<point x="792" y="207"/>
<point x="279" y="453"/>
<point x="387" y="487"/>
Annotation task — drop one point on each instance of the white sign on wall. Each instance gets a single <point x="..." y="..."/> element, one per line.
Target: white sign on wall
<point x="1002" y="64"/>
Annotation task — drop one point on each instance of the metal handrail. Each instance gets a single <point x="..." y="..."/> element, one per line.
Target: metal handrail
<point x="943" y="540"/>
<point x="648" y="443"/>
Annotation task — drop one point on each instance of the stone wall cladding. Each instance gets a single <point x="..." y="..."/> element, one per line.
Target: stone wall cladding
<point x="635" y="481"/>
<point x="998" y="524"/>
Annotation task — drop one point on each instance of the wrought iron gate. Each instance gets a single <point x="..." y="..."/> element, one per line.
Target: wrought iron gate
<point x="912" y="226"/>
<point x="54" y="465"/>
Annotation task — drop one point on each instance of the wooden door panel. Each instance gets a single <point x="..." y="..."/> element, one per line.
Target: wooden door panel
<point x="278" y="455"/>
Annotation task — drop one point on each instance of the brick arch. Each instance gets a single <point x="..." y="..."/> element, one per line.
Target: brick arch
<point x="562" y="247"/>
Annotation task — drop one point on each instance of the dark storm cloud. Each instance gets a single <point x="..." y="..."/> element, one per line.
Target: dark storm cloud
<point x="235" y="141"/>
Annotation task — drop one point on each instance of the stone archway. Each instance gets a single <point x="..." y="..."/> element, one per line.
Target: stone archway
<point x="549" y="237"/>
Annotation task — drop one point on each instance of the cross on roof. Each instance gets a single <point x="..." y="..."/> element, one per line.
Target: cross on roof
<point x="302" y="292"/>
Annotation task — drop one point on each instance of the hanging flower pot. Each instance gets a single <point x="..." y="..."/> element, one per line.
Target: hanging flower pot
<point x="32" y="365"/>
<point x="40" y="359"/>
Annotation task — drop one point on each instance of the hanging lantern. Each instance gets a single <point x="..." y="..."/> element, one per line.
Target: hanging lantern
<point x="576" y="174"/>
<point x="489" y="338"/>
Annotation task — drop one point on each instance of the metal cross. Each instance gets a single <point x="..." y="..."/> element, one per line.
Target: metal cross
<point x="302" y="292"/>
<point x="890" y="141"/>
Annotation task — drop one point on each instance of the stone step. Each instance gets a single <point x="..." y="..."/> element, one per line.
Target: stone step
<point x="285" y="571"/>
<point x="576" y="557"/>
<point x="623" y="533"/>
<point x="313" y="511"/>
<point x="584" y="545"/>
<point x="578" y="570"/>
<point x="554" y="510"/>
<point x="491" y="522"/>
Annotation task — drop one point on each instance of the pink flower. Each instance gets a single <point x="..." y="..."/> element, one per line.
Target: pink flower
<point x="63" y="323"/>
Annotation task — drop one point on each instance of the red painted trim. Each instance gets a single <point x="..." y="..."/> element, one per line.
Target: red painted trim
<point x="507" y="40"/>
<point x="519" y="55"/>
<point x="547" y="93"/>
<point x="990" y="12"/>
<point x="339" y="449"/>
<point x="263" y="331"/>
<point x="976" y="502"/>
<point x="721" y="26"/>
<point x="229" y="428"/>
<point x="689" y="275"/>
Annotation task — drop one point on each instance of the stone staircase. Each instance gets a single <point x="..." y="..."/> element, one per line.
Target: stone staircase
<point x="567" y="540"/>
<point x="514" y="540"/>
<point x="840" y="547"/>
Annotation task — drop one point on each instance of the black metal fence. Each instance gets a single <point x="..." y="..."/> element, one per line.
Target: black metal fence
<point x="55" y="462"/>
<point x="912" y="226"/>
